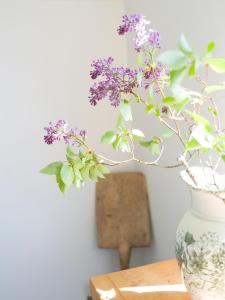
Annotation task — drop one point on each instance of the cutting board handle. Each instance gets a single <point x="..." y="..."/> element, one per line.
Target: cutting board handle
<point x="124" y="252"/>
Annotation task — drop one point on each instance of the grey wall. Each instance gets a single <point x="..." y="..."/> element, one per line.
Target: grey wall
<point x="201" y="21"/>
<point x="47" y="240"/>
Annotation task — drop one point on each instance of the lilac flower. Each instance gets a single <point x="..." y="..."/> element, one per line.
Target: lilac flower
<point x="59" y="132"/>
<point x="132" y="23"/>
<point x="144" y="38"/>
<point x="101" y="66"/>
<point x="55" y="132"/>
<point x="83" y="134"/>
<point x="69" y="136"/>
<point x="154" y="39"/>
<point x="116" y="80"/>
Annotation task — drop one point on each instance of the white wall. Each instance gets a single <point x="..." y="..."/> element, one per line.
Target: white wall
<point x="201" y="21"/>
<point x="47" y="241"/>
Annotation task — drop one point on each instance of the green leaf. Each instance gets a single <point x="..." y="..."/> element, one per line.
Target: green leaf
<point x="169" y="100"/>
<point x="78" y="175"/>
<point x="176" y="76"/>
<point x="204" y="138"/>
<point x="116" y="143"/>
<point x="179" y="106"/>
<point x="157" y="112"/>
<point x="67" y="175"/>
<point x="61" y="184"/>
<point x="125" y="110"/>
<point x="52" y="169"/>
<point x="152" y="145"/>
<point x="85" y="171"/>
<point x="145" y="144"/>
<point x="149" y="108"/>
<point x="216" y="64"/>
<point x="154" y="148"/>
<point x="223" y="157"/>
<point x="123" y="144"/>
<point x="174" y="59"/>
<point x="119" y="123"/>
<point x="200" y="120"/>
<point x="108" y="137"/>
<point x="192" y="144"/>
<point x="138" y="134"/>
<point x="70" y="151"/>
<point x="191" y="70"/>
<point x="214" y="88"/>
<point x="93" y="173"/>
<point x="210" y="47"/>
<point x="213" y="111"/>
<point x="184" y="46"/>
<point x="78" y="164"/>
<point x="166" y="133"/>
<point x="103" y="169"/>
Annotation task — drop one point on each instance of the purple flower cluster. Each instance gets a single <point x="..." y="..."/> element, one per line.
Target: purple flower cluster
<point x="144" y="39"/>
<point x="132" y="23"/>
<point x="154" y="39"/>
<point x="116" y="80"/>
<point x="101" y="67"/>
<point x="59" y="131"/>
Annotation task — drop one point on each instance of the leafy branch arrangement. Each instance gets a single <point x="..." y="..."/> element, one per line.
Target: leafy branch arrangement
<point x="157" y="84"/>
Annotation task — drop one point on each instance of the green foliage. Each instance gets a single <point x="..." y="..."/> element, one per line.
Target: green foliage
<point x="149" y="108"/>
<point x="125" y="110"/>
<point x="213" y="111"/>
<point x="52" y="169"/>
<point x="122" y="143"/>
<point x="67" y="174"/>
<point x="214" y="88"/>
<point x="119" y="123"/>
<point x="192" y="69"/>
<point x="108" y="137"/>
<point x="180" y="105"/>
<point x="192" y="144"/>
<point x="200" y="120"/>
<point x="176" y="76"/>
<point x="174" y="59"/>
<point x="184" y="46"/>
<point x="169" y="100"/>
<point x="137" y="134"/>
<point x="216" y="64"/>
<point x="70" y="151"/>
<point x="63" y="188"/>
<point x="164" y="98"/>
<point x="78" y="168"/>
<point x="152" y="145"/>
<point x="210" y="47"/>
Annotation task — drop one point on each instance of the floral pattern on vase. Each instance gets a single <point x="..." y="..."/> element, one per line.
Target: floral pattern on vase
<point x="202" y="261"/>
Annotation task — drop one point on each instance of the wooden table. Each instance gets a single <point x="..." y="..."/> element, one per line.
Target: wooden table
<point x="158" y="281"/>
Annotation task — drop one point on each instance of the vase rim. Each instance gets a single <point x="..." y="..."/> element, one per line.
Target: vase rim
<point x="208" y="180"/>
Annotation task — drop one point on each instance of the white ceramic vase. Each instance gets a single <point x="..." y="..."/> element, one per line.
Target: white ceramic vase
<point x="200" y="240"/>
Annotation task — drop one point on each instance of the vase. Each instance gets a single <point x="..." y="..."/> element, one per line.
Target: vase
<point x="200" y="239"/>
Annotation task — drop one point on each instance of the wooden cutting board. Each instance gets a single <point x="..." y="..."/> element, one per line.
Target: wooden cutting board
<point x="122" y="213"/>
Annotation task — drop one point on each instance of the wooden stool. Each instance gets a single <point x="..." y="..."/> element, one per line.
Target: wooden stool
<point x="158" y="281"/>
